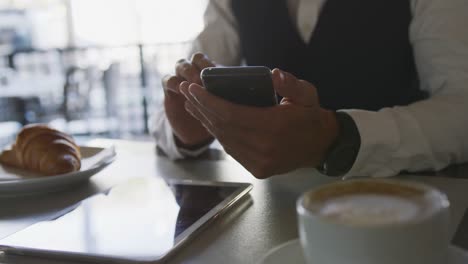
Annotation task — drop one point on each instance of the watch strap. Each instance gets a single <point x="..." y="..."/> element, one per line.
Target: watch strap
<point x="342" y="154"/>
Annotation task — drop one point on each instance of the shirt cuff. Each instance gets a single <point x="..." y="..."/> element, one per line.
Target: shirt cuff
<point x="379" y="139"/>
<point x="162" y="131"/>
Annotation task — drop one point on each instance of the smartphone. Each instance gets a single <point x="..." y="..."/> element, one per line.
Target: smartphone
<point x="250" y="85"/>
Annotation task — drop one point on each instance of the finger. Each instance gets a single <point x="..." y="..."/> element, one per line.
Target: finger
<point x="236" y="143"/>
<point x="216" y="131"/>
<point x="191" y="109"/>
<point x="297" y="91"/>
<point x="310" y="96"/>
<point x="227" y="112"/>
<point x="225" y="137"/>
<point x="277" y="79"/>
<point x="183" y="88"/>
<point x="171" y="83"/>
<point x="221" y="130"/>
<point x="201" y="61"/>
<point x="189" y="72"/>
<point x="285" y="101"/>
<point x="225" y="132"/>
<point x="212" y="115"/>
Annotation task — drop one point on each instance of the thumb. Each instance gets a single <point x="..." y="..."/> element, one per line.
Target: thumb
<point x="294" y="90"/>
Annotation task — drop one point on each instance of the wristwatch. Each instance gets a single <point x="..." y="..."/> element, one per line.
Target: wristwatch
<point x="342" y="154"/>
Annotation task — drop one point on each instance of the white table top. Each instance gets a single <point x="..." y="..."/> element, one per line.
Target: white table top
<point x="244" y="235"/>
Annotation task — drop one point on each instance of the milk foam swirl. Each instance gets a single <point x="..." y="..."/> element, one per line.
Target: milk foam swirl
<point x="370" y="209"/>
<point x="372" y="202"/>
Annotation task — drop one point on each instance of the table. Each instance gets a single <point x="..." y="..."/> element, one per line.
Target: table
<point x="245" y="234"/>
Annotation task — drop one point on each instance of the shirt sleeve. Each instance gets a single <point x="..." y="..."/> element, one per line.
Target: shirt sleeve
<point x="219" y="40"/>
<point x="433" y="133"/>
<point x="161" y="130"/>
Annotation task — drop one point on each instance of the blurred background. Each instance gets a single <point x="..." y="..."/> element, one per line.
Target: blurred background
<point x="90" y="67"/>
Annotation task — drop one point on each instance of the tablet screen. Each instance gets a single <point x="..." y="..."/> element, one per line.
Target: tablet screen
<point x="142" y="220"/>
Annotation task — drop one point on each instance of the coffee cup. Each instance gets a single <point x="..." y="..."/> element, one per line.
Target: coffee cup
<point x="374" y="221"/>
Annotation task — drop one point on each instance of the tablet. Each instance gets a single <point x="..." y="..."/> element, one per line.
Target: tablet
<point x="461" y="235"/>
<point x="142" y="221"/>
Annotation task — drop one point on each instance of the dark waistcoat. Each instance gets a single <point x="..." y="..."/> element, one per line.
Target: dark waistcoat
<point x="359" y="55"/>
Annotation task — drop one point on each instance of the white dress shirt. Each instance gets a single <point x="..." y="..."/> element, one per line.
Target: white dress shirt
<point x="426" y="135"/>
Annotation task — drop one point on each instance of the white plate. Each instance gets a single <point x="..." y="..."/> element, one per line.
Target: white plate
<point x="291" y="253"/>
<point x="16" y="182"/>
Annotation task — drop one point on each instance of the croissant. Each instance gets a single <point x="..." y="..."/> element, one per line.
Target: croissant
<point x="44" y="150"/>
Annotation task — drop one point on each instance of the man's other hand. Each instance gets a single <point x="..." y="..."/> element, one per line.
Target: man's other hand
<point x="188" y="131"/>
<point x="268" y="140"/>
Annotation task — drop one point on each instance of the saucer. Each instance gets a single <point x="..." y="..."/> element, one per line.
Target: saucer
<point x="18" y="182"/>
<point x="291" y="252"/>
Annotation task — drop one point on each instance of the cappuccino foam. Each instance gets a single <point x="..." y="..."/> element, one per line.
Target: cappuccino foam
<point x="370" y="209"/>
<point x="372" y="202"/>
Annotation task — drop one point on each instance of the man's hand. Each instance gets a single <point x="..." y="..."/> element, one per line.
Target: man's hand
<point x="271" y="140"/>
<point x="188" y="130"/>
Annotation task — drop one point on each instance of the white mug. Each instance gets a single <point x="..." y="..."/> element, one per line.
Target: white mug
<point x="374" y="222"/>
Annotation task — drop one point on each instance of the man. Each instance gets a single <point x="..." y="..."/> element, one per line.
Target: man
<point x="395" y="72"/>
